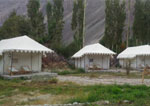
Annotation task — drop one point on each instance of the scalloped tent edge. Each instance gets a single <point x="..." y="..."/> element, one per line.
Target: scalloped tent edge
<point x="93" y="49"/>
<point x="132" y="52"/>
<point x="22" y="44"/>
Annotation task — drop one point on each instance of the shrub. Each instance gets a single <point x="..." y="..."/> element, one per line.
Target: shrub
<point x="65" y="72"/>
<point x="53" y="80"/>
<point x="80" y="70"/>
<point x="93" y="75"/>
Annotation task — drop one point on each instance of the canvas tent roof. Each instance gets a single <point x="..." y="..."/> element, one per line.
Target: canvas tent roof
<point x="22" y="44"/>
<point x="132" y="52"/>
<point x="93" y="49"/>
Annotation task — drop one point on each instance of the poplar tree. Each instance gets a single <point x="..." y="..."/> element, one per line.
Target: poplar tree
<point x="114" y="24"/>
<point x="51" y="22"/>
<point x="58" y="13"/>
<point x="55" y="23"/>
<point x="141" y="25"/>
<point x="36" y="19"/>
<point x="78" y="22"/>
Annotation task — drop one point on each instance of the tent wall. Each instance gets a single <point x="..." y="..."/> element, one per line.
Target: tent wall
<point x="32" y="60"/>
<point x="81" y="62"/>
<point x="101" y="61"/>
<point x="7" y="62"/>
<point x="124" y="62"/>
<point x="147" y="60"/>
<point x="36" y="62"/>
<point x="143" y="60"/>
<point x="137" y="62"/>
<point x="1" y="65"/>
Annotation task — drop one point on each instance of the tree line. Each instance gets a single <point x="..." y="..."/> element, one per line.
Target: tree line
<point x="48" y="30"/>
<point x="48" y="33"/>
<point x="115" y="23"/>
<point x="141" y="25"/>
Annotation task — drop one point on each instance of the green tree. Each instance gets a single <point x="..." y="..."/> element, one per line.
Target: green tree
<point x="141" y="25"/>
<point x="114" y="24"/>
<point x="15" y="25"/>
<point x="78" y="22"/>
<point x="58" y="11"/>
<point x="51" y="22"/>
<point x="55" y="23"/>
<point x="36" y="19"/>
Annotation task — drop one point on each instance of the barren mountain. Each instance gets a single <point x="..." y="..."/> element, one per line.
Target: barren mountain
<point x="95" y="17"/>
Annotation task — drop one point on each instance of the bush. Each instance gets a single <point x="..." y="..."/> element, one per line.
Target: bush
<point x="80" y="70"/>
<point x="93" y="75"/>
<point x="53" y="80"/>
<point x="65" y="72"/>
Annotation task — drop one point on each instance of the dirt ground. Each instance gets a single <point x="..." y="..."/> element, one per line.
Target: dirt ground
<point x="99" y="80"/>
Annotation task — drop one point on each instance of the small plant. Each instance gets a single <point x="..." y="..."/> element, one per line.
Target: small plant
<point x="53" y="81"/>
<point x="80" y="70"/>
<point x="93" y="75"/>
<point x="65" y="72"/>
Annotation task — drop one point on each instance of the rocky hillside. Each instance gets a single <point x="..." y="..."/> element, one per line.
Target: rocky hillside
<point x="95" y="16"/>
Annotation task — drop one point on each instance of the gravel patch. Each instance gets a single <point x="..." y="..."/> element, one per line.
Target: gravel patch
<point x="93" y="81"/>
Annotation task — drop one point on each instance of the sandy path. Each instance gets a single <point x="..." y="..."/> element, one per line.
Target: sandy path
<point x="92" y="81"/>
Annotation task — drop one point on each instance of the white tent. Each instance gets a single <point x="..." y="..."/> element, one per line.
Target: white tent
<point x="138" y="56"/>
<point x="93" y="57"/>
<point x="21" y="52"/>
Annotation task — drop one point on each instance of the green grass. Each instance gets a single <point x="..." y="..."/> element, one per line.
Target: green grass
<point x="69" y="72"/>
<point x="137" y="95"/>
<point x="135" y="75"/>
<point x="116" y="94"/>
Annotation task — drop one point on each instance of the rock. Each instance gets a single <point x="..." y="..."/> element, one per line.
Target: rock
<point x="106" y="102"/>
<point x="2" y="96"/>
<point x="75" y="103"/>
<point x="126" y="101"/>
<point x="46" y="105"/>
<point x="31" y="93"/>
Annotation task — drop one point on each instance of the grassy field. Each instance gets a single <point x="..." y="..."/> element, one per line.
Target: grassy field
<point x="14" y="92"/>
<point x="81" y="73"/>
<point x="110" y="75"/>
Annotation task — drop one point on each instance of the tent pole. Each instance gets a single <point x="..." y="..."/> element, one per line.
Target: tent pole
<point x="38" y="61"/>
<point x="136" y="62"/>
<point x="3" y="62"/>
<point x="31" y="61"/>
<point x="108" y="59"/>
<point x="84" y="62"/>
<point x="102" y="61"/>
<point x="144" y="60"/>
<point x="74" y="62"/>
<point x="11" y="62"/>
<point x="123" y="62"/>
<point x="77" y="62"/>
<point x="52" y="58"/>
<point x="80" y="63"/>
